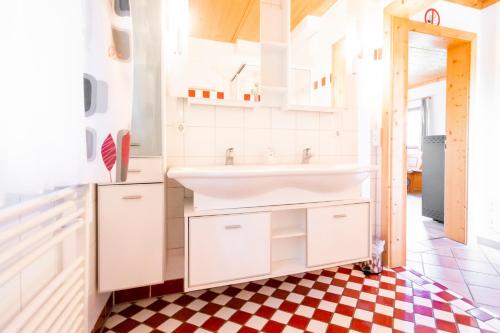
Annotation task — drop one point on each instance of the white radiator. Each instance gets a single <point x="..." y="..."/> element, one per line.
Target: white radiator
<point x="49" y="228"/>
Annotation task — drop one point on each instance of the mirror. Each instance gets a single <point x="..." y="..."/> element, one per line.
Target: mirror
<point x="146" y="107"/>
<point x="223" y="50"/>
<point x="317" y="53"/>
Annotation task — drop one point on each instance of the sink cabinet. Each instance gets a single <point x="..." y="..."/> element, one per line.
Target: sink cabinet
<point x="228" y="247"/>
<point x="337" y="234"/>
<point x="239" y="245"/>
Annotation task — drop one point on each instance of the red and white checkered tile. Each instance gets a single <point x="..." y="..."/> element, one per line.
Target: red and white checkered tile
<point x="340" y="299"/>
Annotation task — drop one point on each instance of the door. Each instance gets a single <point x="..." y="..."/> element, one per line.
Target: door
<point x="457" y="112"/>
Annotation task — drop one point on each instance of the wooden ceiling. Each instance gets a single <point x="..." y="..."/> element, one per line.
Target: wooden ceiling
<point x="230" y="20"/>
<point x="479" y="4"/>
<point x="426" y="59"/>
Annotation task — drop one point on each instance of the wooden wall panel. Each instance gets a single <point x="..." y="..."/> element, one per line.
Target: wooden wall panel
<point x="478" y="4"/>
<point x="394" y="145"/>
<point x="457" y="113"/>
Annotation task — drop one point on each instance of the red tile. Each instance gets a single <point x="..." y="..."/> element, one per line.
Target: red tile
<point x="185" y="328"/>
<point x="130" y="310"/>
<point x="465" y="320"/>
<point x="129" y="295"/>
<point x="126" y="326"/>
<point x="258" y="298"/>
<point x="254" y="287"/>
<point x="235" y="303"/>
<point x="365" y="305"/>
<point x="351" y="293"/>
<point x="385" y="301"/>
<point x="422" y="293"/>
<point x="337" y="329"/>
<point x="246" y="97"/>
<point x="273" y="327"/>
<point x="281" y="294"/>
<point x="167" y="287"/>
<point x="423" y="310"/>
<point x="441" y="306"/>
<point x="206" y="94"/>
<point x="323" y="81"/>
<point x="191" y="93"/>
<point x="332" y="297"/>
<point x="299" y="322"/>
<point x="213" y="324"/>
<point x="301" y="290"/>
<point x="446" y="326"/>
<point x="240" y="317"/>
<point x="403" y="315"/>
<point x="289" y="306"/>
<point x="320" y="286"/>
<point x="208" y="296"/>
<point x="211" y="308"/>
<point x="322" y="315"/>
<point x="183" y="314"/>
<point x="245" y="329"/>
<point x="446" y="296"/>
<point x="265" y="311"/>
<point x="156" y="320"/>
<point x="361" y="325"/>
<point x="345" y="310"/>
<point x="157" y="305"/>
<point x="184" y="300"/>
<point x="310" y="301"/>
<point x="315" y="85"/>
<point x="220" y="95"/>
<point x="424" y="329"/>
<point x="382" y="320"/>
<point x="388" y="286"/>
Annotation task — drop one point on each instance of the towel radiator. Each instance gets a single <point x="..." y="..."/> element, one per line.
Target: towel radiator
<point x="49" y="225"/>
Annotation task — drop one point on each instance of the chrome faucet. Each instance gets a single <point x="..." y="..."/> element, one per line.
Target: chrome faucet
<point x="230" y="156"/>
<point x="306" y="155"/>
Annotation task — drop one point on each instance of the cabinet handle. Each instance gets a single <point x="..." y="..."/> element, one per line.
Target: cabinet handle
<point x="132" y="197"/>
<point x="234" y="226"/>
<point x="134" y="170"/>
<point x="339" y="216"/>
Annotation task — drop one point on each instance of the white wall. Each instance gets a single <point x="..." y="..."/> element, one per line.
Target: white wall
<point x="437" y="114"/>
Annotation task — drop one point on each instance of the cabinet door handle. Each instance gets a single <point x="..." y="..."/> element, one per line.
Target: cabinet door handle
<point x="233" y="226"/>
<point x="339" y="216"/>
<point x="134" y="170"/>
<point x="132" y="197"/>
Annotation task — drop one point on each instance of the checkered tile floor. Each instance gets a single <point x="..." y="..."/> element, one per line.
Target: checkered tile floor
<point x="340" y="299"/>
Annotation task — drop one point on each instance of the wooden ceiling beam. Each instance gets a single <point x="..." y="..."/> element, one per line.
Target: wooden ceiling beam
<point x="478" y="4"/>
<point x="407" y="8"/>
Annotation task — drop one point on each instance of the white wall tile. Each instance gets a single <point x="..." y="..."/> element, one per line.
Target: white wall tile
<point x="328" y="143"/>
<point x="350" y="120"/>
<point x="307" y="139"/>
<point x="257" y="141"/>
<point x="229" y="117"/>
<point x="199" y="115"/>
<point x="348" y="143"/>
<point x="257" y="118"/>
<point x="199" y="161"/>
<point x="229" y="137"/>
<point x="174" y="141"/>
<point x="283" y="118"/>
<point x="329" y="121"/>
<point x="199" y="141"/>
<point x="283" y="142"/>
<point x="307" y="120"/>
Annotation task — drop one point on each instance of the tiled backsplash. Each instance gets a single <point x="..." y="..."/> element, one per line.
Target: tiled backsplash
<point x="200" y="135"/>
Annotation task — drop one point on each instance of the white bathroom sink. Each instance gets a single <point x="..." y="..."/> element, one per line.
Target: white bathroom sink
<point x="269" y="184"/>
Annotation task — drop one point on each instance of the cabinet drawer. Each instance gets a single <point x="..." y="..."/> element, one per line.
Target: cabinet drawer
<point x="338" y="234"/>
<point x="131" y="235"/>
<point x="229" y="247"/>
<point x="145" y="170"/>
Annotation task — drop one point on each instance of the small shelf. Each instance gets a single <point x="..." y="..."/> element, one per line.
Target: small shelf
<point x="222" y="102"/>
<point x="274" y="45"/>
<point x="288" y="266"/>
<point x="313" y="108"/>
<point x="289" y="232"/>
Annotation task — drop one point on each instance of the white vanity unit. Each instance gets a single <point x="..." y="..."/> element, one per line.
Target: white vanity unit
<point x="227" y="244"/>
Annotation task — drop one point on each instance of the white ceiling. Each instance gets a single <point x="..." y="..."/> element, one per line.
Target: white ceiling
<point x="426" y="58"/>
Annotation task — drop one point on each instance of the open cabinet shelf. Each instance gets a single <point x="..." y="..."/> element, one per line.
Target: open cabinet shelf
<point x="288" y="232"/>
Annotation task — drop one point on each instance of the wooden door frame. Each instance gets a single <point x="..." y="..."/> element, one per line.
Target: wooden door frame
<point x="393" y="131"/>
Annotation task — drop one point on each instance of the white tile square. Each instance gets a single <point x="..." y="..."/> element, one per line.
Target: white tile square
<point x="284" y="119"/>
<point x="354" y="286"/>
<point x="380" y="329"/>
<point x="287" y="286"/>
<point x="444" y="315"/>
<point x="143" y="315"/>
<point x="226" y="138"/>
<point x="307" y="120"/>
<point x="368" y="297"/>
<point x="328" y="143"/>
<point x="422" y="301"/>
<point x="384" y="309"/>
<point x="265" y="290"/>
<point x="306" y="283"/>
<point x="174" y="141"/>
<point x="290" y="329"/>
<point x="467" y="329"/>
<point x="317" y="326"/>
<point x="256" y="322"/>
<point x="114" y="320"/>
<point x="250" y="307"/>
<point x="281" y="317"/>
<point x="245" y="295"/>
<point x="283" y="142"/>
<point x="327" y="306"/>
<point x="295" y="298"/>
<point x="257" y="118"/>
<point x="425" y="321"/>
<point x="228" y="117"/>
<point x="199" y="115"/>
<point x="273" y="302"/>
<point x="197" y="304"/>
<point x="221" y="299"/>
<point x="225" y="313"/>
<point x="141" y="329"/>
<point x="342" y="276"/>
<point x="199" y="141"/>
<point x="198" y="319"/>
<point x="305" y="311"/>
<point x="257" y="141"/>
<point x="363" y="315"/>
<point x="314" y="293"/>
<point x="371" y="283"/>
<point x="335" y="290"/>
<point x="387" y="293"/>
<point x="341" y="320"/>
<point x="408" y="307"/>
<point x="229" y="327"/>
<point x="169" y="325"/>
<point x="170" y="310"/>
<point x="324" y="279"/>
<point x="348" y="301"/>
<point x="307" y="139"/>
<point x="403" y="325"/>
